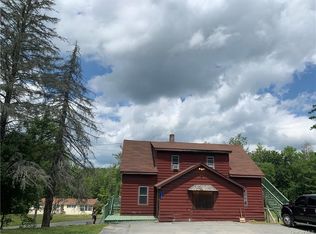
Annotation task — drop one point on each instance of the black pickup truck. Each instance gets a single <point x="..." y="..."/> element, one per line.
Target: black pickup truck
<point x="300" y="212"/>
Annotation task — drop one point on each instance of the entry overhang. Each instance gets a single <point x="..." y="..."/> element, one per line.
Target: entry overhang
<point x="203" y="187"/>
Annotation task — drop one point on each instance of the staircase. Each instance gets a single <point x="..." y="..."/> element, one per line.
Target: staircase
<point x="116" y="205"/>
<point x="112" y="207"/>
<point x="273" y="199"/>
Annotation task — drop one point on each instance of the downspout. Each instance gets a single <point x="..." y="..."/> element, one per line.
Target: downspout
<point x="157" y="205"/>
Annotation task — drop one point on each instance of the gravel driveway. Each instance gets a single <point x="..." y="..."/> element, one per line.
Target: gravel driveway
<point x="199" y="228"/>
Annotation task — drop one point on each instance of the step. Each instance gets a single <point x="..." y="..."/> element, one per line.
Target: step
<point x="123" y="218"/>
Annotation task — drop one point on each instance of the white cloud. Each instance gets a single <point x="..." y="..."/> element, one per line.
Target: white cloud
<point x="214" y="41"/>
<point x="199" y="119"/>
<point x="217" y="54"/>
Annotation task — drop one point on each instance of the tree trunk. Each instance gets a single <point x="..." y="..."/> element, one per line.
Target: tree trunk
<point x="54" y="174"/>
<point x="48" y="208"/>
<point x="35" y="215"/>
<point x="2" y="221"/>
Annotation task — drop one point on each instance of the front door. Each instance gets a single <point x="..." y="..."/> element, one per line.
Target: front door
<point x="300" y="209"/>
<point x="311" y="210"/>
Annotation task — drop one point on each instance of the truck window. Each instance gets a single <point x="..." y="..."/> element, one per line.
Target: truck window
<point x="312" y="201"/>
<point x="301" y="201"/>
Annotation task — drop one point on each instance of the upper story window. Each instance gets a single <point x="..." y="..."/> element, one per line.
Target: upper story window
<point x="175" y="164"/>
<point x="142" y="195"/>
<point x="210" y="161"/>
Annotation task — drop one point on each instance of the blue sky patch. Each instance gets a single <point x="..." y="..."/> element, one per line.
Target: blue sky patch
<point x="91" y="68"/>
<point x="304" y="81"/>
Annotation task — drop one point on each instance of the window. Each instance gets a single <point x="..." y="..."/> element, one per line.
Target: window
<point x="202" y="200"/>
<point x="210" y="161"/>
<point x="142" y="195"/>
<point x="175" y="165"/>
<point x="312" y="201"/>
<point x="85" y="208"/>
<point x="301" y="201"/>
<point x="71" y="206"/>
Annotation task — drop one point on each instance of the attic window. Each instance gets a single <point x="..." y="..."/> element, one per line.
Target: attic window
<point x="175" y="164"/>
<point x="210" y="161"/>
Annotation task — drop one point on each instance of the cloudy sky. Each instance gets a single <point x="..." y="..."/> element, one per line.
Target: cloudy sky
<point x="204" y="70"/>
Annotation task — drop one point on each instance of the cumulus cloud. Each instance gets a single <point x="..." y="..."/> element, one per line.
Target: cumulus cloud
<point x="142" y="40"/>
<point x="260" y="118"/>
<point x="195" y="68"/>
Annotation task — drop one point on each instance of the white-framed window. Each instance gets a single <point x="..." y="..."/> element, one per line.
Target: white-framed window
<point x="175" y="162"/>
<point x="143" y="195"/>
<point x="210" y="161"/>
<point x="85" y="208"/>
<point x="71" y="206"/>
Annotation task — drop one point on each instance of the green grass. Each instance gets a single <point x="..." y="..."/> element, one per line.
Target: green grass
<point x="79" y="229"/>
<point x="16" y="221"/>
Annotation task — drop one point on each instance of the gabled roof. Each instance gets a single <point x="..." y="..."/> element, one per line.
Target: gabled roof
<point x="191" y="168"/>
<point x="137" y="156"/>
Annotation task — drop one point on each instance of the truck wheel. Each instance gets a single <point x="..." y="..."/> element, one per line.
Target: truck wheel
<point x="287" y="220"/>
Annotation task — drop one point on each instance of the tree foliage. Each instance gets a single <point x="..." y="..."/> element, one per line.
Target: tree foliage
<point x="20" y="191"/>
<point x="291" y="171"/>
<point x="28" y="58"/>
<point x="40" y="91"/>
<point x="239" y="139"/>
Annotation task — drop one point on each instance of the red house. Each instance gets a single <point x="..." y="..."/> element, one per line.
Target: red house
<point x="177" y="181"/>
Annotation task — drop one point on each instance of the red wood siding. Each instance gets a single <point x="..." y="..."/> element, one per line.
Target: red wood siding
<point x="129" y="194"/>
<point x="255" y="209"/>
<point x="176" y="204"/>
<point x="187" y="159"/>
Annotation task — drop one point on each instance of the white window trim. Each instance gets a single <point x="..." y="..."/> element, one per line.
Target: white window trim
<point x="175" y="164"/>
<point x="147" y="188"/>
<point x="207" y="158"/>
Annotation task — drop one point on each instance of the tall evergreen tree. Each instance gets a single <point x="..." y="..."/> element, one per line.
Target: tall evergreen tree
<point x="72" y="109"/>
<point x="27" y="57"/>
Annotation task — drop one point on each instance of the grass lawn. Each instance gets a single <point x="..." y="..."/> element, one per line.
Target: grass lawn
<point x="79" y="229"/>
<point x="16" y="221"/>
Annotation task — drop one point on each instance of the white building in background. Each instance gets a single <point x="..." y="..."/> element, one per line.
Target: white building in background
<point x="68" y="206"/>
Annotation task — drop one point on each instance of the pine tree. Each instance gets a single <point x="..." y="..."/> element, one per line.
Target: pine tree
<point x="28" y="57"/>
<point x="73" y="110"/>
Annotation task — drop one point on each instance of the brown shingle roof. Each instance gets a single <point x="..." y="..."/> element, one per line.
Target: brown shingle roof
<point x="138" y="156"/>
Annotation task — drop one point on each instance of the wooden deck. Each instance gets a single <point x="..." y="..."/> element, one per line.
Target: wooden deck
<point x="122" y="218"/>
